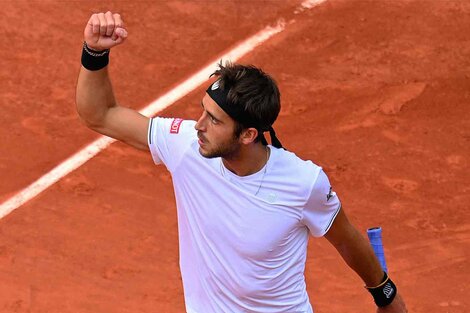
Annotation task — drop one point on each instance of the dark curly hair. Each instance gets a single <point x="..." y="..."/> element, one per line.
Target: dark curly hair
<point x="253" y="89"/>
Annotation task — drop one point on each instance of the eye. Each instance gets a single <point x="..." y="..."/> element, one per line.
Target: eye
<point x="213" y="120"/>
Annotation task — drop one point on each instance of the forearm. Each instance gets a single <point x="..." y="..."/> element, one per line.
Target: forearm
<point x="94" y="96"/>
<point x="360" y="257"/>
<point x="355" y="250"/>
<point x="358" y="254"/>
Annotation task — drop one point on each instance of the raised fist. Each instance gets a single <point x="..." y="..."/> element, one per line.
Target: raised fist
<point x="104" y="31"/>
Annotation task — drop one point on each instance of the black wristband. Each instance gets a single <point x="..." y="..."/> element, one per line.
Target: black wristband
<point x="384" y="293"/>
<point x="94" y="60"/>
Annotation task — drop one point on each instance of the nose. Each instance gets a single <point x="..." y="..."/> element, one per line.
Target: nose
<point x="200" y="124"/>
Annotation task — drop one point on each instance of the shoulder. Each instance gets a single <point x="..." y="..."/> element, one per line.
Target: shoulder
<point x="289" y="162"/>
<point x="169" y="139"/>
<point x="295" y="172"/>
<point x="163" y="129"/>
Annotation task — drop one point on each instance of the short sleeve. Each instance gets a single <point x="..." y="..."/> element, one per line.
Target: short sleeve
<point x="322" y="206"/>
<point x="169" y="139"/>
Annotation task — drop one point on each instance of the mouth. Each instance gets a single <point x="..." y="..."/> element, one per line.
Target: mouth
<point x="201" y="139"/>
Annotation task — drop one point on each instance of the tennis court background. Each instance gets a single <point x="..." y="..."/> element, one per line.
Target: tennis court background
<point x="376" y="92"/>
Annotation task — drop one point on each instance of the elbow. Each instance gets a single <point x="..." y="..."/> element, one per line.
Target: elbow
<point x="85" y="120"/>
<point x="89" y="119"/>
<point x="88" y="123"/>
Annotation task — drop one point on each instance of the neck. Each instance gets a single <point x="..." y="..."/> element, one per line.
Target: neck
<point x="248" y="160"/>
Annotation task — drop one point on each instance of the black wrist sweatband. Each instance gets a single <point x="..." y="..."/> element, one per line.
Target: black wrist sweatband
<point x="94" y="60"/>
<point x="384" y="293"/>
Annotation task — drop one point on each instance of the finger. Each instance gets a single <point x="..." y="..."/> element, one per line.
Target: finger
<point x="109" y="23"/>
<point x="118" y="22"/>
<point x="114" y="36"/>
<point x="95" y="23"/>
<point x="121" y="32"/>
<point x="102" y="24"/>
<point x="121" y="35"/>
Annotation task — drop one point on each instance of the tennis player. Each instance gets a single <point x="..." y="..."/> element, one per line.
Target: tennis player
<point x="246" y="208"/>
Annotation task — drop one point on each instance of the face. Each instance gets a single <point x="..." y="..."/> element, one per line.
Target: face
<point x="216" y="131"/>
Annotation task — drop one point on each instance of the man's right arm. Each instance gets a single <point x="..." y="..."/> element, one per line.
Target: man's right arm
<point x="96" y="104"/>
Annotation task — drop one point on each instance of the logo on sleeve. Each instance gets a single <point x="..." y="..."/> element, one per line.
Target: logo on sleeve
<point x="175" y="125"/>
<point x="330" y="195"/>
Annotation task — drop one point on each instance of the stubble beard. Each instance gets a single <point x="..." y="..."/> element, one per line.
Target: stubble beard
<point x="225" y="150"/>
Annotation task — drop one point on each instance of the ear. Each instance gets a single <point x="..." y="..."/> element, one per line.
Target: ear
<point x="248" y="135"/>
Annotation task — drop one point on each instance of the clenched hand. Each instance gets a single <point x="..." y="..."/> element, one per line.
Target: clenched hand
<point x="104" y="31"/>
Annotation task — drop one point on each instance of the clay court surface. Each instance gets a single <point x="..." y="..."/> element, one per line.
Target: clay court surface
<point x="376" y="92"/>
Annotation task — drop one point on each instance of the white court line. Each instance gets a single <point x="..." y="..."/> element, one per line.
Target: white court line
<point x="82" y="156"/>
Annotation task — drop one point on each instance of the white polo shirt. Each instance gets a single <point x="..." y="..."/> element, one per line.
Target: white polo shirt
<point x="241" y="251"/>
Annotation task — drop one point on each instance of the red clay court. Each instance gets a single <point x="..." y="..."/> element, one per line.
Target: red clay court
<point x="375" y="92"/>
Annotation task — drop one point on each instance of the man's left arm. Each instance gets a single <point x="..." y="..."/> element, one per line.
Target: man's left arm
<point x="358" y="254"/>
